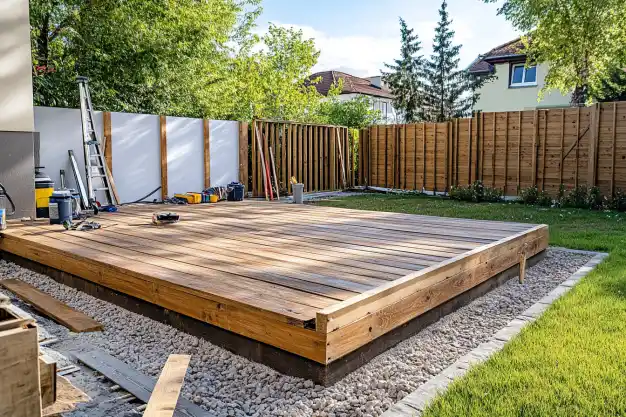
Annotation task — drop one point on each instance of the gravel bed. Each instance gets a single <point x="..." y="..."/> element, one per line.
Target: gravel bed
<point x="232" y="386"/>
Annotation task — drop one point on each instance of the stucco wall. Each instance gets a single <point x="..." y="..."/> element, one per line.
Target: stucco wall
<point x="498" y="96"/>
<point x="16" y="89"/>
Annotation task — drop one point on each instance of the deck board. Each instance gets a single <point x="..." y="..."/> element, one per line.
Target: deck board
<point x="315" y="281"/>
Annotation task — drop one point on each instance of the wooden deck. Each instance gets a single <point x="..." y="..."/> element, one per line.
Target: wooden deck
<point x="318" y="282"/>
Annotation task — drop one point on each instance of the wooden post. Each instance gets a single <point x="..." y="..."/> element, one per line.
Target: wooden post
<point x="535" y="147"/>
<point x="163" y="145"/>
<point x="243" y="154"/>
<point x="415" y="156"/>
<point x="283" y="160"/>
<point x="107" y="140"/>
<point x="406" y="154"/>
<point x="562" y="145"/>
<point x="493" y="152"/>
<point x="386" y="155"/>
<point x="288" y="143"/>
<point x="456" y="152"/>
<point x="614" y="134"/>
<point x="506" y="151"/>
<point x="545" y="146"/>
<point x="469" y="152"/>
<point x="206" y="133"/>
<point x="255" y="169"/>
<point x="448" y="155"/>
<point x="482" y="148"/>
<point x="577" y="144"/>
<point x="435" y="159"/>
<point x="519" y="153"/>
<point x="333" y="163"/>
<point x="593" y="147"/>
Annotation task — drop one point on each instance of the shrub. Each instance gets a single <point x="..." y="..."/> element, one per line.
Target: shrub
<point x="476" y="193"/>
<point x="618" y="202"/>
<point x="532" y="196"/>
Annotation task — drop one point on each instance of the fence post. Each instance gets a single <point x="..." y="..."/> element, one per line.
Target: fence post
<point x="593" y="146"/>
<point x="243" y="153"/>
<point x="535" y="146"/>
<point x="206" y="135"/>
<point x="163" y="145"/>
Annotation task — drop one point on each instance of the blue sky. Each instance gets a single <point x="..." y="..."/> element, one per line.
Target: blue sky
<point x="358" y="36"/>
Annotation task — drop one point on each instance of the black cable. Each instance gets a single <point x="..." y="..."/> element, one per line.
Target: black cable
<point x="4" y="192"/>
<point x="142" y="198"/>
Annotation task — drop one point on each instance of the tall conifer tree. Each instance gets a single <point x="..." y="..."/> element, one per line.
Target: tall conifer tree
<point x="447" y="88"/>
<point x="405" y="77"/>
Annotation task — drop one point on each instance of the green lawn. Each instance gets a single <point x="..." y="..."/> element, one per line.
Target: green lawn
<point x="572" y="361"/>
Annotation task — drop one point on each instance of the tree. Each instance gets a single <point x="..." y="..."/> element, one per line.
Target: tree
<point x="356" y="113"/>
<point x="613" y="88"/>
<point x="447" y="89"/>
<point x="405" y="78"/>
<point x="583" y="41"/>
<point x="273" y="83"/>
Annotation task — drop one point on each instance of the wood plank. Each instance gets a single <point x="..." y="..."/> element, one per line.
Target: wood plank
<point x="562" y="146"/>
<point x="20" y="394"/>
<point x="107" y="139"/>
<point x="138" y="384"/>
<point x="545" y="145"/>
<point x="290" y="156"/>
<point x="535" y="147"/>
<point x="577" y="144"/>
<point x="519" y="153"/>
<point x="283" y="157"/>
<point x="163" y="147"/>
<point x="206" y="135"/>
<point x="506" y="152"/>
<point x="47" y="380"/>
<point x="243" y="155"/>
<point x="165" y="394"/>
<point x="613" y="143"/>
<point x="359" y="306"/>
<point x="51" y="307"/>
<point x="430" y="293"/>
<point x="493" y="151"/>
<point x="255" y="169"/>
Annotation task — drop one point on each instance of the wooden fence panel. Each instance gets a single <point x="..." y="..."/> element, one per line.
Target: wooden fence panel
<point x="302" y="151"/>
<point x="506" y="150"/>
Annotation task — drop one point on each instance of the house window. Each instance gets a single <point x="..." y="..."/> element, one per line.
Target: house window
<point x="522" y="76"/>
<point x="384" y="110"/>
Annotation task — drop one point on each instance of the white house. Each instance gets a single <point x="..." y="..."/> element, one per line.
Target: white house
<point x="372" y="87"/>
<point x="515" y="86"/>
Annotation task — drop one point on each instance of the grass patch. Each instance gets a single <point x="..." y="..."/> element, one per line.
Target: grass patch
<point x="572" y="361"/>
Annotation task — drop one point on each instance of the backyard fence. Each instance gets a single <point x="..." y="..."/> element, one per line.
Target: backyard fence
<point x="319" y="156"/>
<point x="508" y="150"/>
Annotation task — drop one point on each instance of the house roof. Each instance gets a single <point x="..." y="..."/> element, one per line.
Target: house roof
<point x="510" y="51"/>
<point x="351" y="84"/>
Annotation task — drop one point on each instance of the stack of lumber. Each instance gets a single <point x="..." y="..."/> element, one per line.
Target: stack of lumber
<point x="27" y="378"/>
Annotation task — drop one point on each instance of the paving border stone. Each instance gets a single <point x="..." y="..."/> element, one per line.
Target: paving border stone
<point x="413" y="404"/>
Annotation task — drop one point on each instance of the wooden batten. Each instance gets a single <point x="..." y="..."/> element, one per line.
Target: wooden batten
<point x="206" y="136"/>
<point x="107" y="139"/>
<point x="163" y="147"/>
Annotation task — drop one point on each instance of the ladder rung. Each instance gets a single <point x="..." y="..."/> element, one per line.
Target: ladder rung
<point x="101" y="189"/>
<point x="98" y="176"/>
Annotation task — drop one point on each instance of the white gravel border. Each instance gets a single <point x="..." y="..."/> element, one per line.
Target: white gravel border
<point x="413" y="404"/>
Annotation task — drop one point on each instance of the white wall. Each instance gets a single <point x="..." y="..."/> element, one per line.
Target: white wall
<point x="16" y="89"/>
<point x="498" y="96"/>
<point x="136" y="152"/>
<point x="185" y="155"/>
<point x="136" y="155"/>
<point x="60" y="130"/>
<point x="224" y="152"/>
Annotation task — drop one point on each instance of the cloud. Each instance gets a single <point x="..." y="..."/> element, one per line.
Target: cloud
<point x="365" y="52"/>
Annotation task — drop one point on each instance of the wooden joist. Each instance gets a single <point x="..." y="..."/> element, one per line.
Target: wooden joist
<point x="49" y="306"/>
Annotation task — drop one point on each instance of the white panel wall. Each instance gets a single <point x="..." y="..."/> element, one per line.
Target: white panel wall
<point x="136" y="155"/>
<point x="136" y="150"/>
<point x="185" y="155"/>
<point x="16" y="88"/>
<point x="60" y="130"/>
<point x="224" y="152"/>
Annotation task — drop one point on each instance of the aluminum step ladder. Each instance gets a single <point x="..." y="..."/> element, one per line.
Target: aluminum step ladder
<point x="99" y="178"/>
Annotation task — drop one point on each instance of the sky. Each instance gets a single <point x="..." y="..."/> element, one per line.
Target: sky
<point x="359" y="36"/>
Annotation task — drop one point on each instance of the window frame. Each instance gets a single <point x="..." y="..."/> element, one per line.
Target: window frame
<point x="523" y="83"/>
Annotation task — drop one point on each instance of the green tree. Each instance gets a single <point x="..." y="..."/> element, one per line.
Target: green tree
<point x="273" y="82"/>
<point x="583" y="41"/>
<point x="448" y="92"/>
<point x="141" y="56"/>
<point x="405" y="77"/>
<point x="356" y="113"/>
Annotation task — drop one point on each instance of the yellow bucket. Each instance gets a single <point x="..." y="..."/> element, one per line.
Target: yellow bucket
<point x="213" y="198"/>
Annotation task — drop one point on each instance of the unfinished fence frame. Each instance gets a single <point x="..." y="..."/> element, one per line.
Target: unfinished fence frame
<point x="507" y="150"/>
<point x="319" y="156"/>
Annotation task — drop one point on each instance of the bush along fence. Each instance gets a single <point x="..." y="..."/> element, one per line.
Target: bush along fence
<point x="319" y="156"/>
<point x="548" y="149"/>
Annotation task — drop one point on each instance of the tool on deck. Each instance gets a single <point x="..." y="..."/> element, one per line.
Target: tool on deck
<point x="164" y="218"/>
<point x="98" y="176"/>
